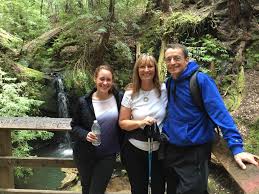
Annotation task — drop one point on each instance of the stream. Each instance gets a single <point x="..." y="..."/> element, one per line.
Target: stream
<point x="46" y="177"/>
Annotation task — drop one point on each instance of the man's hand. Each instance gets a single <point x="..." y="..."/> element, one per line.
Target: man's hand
<point x="246" y="157"/>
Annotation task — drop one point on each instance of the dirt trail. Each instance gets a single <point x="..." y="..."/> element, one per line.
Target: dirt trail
<point x="248" y="112"/>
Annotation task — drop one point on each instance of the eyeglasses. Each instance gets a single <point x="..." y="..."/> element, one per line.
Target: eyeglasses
<point x="175" y="58"/>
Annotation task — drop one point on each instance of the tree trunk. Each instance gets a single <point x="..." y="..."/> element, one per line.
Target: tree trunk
<point x="111" y="11"/>
<point x="234" y="11"/>
<point x="165" y="5"/>
<point x="90" y="4"/>
<point x="41" y="7"/>
<point x="158" y="4"/>
<point x="100" y="51"/>
<point x="80" y="4"/>
<point x="152" y="5"/>
<point x="161" y="64"/>
<point x="68" y="7"/>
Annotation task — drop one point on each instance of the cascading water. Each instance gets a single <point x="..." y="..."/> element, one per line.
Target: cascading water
<point x="61" y="98"/>
<point x="63" y="112"/>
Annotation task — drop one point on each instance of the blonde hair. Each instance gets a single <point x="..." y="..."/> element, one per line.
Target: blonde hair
<point x="144" y="59"/>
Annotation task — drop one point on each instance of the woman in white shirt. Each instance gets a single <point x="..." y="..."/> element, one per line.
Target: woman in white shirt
<point x="144" y="103"/>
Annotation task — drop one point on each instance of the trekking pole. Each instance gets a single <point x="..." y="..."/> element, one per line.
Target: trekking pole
<point x="150" y="144"/>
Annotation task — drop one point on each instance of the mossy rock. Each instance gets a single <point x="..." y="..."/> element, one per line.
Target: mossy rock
<point x="234" y="98"/>
<point x="39" y="82"/>
<point x="179" y="23"/>
<point x="49" y="107"/>
<point x="175" y="28"/>
<point x="28" y="73"/>
<point x="151" y="33"/>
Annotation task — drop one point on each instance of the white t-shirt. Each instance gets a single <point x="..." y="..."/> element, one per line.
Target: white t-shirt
<point x="155" y="107"/>
<point x="106" y="112"/>
<point x="102" y="106"/>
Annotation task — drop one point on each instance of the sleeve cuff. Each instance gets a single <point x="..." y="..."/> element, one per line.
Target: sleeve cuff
<point x="237" y="150"/>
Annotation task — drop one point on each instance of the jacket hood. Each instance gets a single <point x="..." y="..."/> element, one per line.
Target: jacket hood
<point x="191" y="67"/>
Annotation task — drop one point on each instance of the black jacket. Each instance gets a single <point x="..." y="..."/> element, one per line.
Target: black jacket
<point x="83" y="117"/>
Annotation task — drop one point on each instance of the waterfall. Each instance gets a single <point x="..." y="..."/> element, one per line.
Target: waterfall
<point x="61" y="98"/>
<point x="63" y="112"/>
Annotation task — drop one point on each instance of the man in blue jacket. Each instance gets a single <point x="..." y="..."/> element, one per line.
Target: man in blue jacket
<point x="191" y="130"/>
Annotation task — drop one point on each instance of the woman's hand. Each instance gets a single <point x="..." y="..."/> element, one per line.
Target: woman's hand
<point x="91" y="137"/>
<point x="146" y="121"/>
<point x="126" y="122"/>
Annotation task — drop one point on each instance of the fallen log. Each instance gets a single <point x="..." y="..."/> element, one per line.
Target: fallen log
<point x="9" y="42"/>
<point x="45" y="38"/>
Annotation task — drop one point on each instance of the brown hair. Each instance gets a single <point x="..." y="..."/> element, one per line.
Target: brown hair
<point x="105" y="67"/>
<point x="136" y="81"/>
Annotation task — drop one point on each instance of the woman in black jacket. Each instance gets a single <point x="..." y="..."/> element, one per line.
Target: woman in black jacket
<point x="96" y="163"/>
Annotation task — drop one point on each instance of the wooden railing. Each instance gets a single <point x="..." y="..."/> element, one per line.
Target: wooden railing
<point x="7" y="161"/>
<point x="248" y="180"/>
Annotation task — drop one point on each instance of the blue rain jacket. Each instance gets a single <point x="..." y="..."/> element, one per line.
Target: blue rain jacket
<point x="187" y="125"/>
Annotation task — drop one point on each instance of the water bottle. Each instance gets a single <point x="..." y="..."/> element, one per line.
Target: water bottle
<point x="96" y="129"/>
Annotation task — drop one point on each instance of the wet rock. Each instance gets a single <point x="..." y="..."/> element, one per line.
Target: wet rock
<point x="70" y="179"/>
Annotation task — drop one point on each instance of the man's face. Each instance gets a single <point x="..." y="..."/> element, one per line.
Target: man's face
<point x="175" y="61"/>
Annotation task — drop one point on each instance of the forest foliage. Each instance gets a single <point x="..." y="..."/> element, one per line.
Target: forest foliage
<point x="23" y="18"/>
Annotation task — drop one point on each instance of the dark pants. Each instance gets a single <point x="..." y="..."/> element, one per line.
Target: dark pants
<point x="94" y="172"/>
<point x="186" y="169"/>
<point x="136" y="164"/>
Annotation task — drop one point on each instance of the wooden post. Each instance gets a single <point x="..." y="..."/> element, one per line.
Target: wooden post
<point x="6" y="172"/>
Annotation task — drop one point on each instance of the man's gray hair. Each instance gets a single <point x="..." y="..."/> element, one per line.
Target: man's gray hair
<point x="179" y="46"/>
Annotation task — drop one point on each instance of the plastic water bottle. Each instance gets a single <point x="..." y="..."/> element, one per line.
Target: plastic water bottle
<point x="96" y="129"/>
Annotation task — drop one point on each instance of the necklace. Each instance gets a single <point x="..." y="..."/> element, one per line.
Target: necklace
<point x="146" y="98"/>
